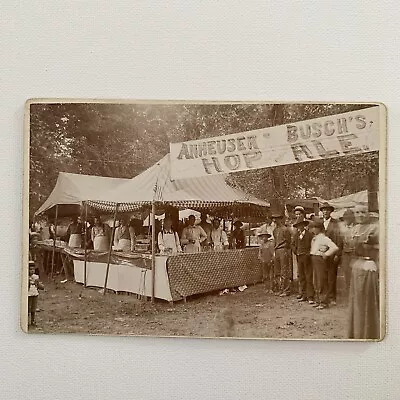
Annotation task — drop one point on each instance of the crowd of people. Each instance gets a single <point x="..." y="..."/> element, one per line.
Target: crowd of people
<point x="321" y="246"/>
<point x="195" y="238"/>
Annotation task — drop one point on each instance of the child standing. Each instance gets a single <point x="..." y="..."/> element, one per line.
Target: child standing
<point x="266" y="255"/>
<point x="33" y="293"/>
<point x="322" y="247"/>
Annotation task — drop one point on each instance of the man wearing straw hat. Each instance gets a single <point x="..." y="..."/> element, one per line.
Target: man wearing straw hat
<point x="299" y="213"/>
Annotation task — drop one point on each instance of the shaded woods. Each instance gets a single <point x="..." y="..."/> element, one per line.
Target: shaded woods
<point x="122" y="140"/>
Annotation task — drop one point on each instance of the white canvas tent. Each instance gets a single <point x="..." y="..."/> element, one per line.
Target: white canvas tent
<point x="74" y="189"/>
<point x="344" y="202"/>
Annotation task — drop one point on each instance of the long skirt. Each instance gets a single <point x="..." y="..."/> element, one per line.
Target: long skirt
<point x="100" y="243"/>
<point x="75" y="240"/>
<point x="124" y="245"/>
<point x="364" y="320"/>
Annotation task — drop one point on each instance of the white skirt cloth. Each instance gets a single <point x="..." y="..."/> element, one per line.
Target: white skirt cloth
<point x="100" y="243"/>
<point x="75" y="240"/>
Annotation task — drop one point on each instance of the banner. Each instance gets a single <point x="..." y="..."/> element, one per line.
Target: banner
<point x="336" y="135"/>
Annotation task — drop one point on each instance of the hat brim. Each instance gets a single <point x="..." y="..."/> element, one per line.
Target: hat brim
<point x="327" y="208"/>
<point x="305" y="222"/>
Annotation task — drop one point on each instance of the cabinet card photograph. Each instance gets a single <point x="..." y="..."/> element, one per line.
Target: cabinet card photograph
<point x="254" y="220"/>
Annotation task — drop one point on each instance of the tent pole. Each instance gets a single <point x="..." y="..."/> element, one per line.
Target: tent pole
<point x="85" y="247"/>
<point x="153" y="251"/>
<point x="109" y="251"/>
<point x="54" y="243"/>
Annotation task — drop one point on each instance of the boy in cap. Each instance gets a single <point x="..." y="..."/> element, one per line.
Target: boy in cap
<point x="322" y="247"/>
<point x="332" y="230"/>
<point x="266" y="255"/>
<point x="282" y="266"/>
<point x="301" y="247"/>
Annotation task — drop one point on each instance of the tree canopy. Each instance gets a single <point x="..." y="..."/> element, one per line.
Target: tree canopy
<point x="122" y="140"/>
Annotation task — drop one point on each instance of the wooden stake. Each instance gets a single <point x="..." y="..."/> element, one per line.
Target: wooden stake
<point x="109" y="251"/>
<point x="153" y="251"/>
<point x="54" y="243"/>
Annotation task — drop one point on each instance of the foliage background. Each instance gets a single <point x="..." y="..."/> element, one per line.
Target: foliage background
<point x="122" y="140"/>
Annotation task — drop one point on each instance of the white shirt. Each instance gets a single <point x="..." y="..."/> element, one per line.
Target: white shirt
<point x="169" y="240"/>
<point x="318" y="242"/>
<point x="219" y="238"/>
<point x="33" y="290"/>
<point x="326" y="223"/>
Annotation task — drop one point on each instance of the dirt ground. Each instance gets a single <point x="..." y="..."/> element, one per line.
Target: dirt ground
<point x="254" y="313"/>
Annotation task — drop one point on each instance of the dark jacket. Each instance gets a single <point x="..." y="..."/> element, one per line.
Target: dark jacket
<point x="302" y="246"/>
<point x="282" y="237"/>
<point x="333" y="232"/>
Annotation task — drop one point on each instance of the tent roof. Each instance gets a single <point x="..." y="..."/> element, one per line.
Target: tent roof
<point x="73" y="189"/>
<point x="155" y="184"/>
<point x="339" y="203"/>
<point x="351" y="200"/>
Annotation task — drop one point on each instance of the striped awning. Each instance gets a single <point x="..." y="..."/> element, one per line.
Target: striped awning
<point x="155" y="185"/>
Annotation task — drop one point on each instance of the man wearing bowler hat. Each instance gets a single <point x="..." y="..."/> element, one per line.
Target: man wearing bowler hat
<point x="282" y="266"/>
<point x="301" y="248"/>
<point x="332" y="230"/>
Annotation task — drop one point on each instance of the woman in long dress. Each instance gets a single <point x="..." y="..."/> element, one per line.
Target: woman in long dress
<point x="125" y="238"/>
<point x="364" y="318"/>
<point x="100" y="235"/>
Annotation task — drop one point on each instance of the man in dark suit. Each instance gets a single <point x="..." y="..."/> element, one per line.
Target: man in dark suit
<point x="333" y="232"/>
<point x="301" y="247"/>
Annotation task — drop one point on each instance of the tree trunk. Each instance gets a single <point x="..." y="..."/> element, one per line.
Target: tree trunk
<point x="278" y="182"/>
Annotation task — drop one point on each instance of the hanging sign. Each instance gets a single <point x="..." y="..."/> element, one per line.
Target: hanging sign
<point x="336" y="135"/>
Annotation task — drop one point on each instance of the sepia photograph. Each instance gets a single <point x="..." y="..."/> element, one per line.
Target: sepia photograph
<point x="251" y="220"/>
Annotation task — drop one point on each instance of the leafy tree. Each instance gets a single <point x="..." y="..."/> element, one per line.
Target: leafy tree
<point x="122" y="140"/>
